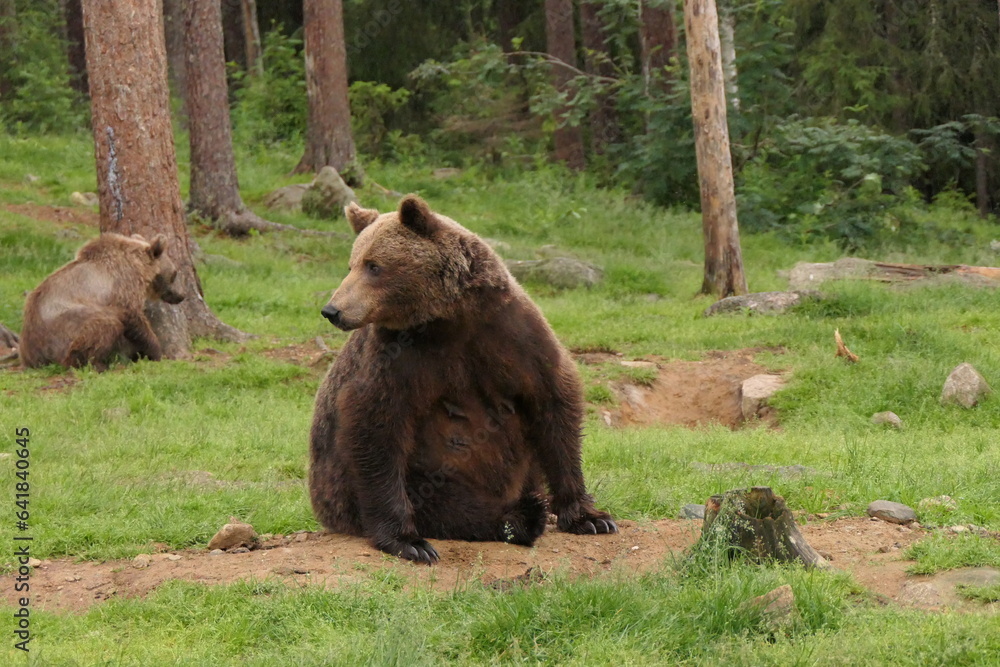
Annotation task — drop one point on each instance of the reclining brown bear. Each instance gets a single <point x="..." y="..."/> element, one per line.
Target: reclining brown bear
<point x="91" y="310"/>
<point x="452" y="406"/>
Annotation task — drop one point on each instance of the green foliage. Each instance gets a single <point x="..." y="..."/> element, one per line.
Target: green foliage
<point x="272" y="107"/>
<point x="372" y="107"/>
<point x="941" y="552"/>
<point x="826" y="179"/>
<point x="41" y="98"/>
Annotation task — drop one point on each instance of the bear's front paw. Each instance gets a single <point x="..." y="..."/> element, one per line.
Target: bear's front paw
<point x="588" y="523"/>
<point x="417" y="550"/>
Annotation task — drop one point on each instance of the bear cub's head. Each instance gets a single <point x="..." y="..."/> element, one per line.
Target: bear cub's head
<point x="412" y="266"/>
<point x="158" y="269"/>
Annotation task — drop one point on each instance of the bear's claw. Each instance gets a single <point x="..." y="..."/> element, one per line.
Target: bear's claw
<point x="591" y="525"/>
<point x="419" y="551"/>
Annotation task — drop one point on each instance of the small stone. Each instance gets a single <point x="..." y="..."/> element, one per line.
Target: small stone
<point x="84" y="199"/>
<point x="635" y="548"/>
<point x="891" y="512"/>
<point x="141" y="561"/>
<point x="693" y="511"/>
<point x="31" y="178"/>
<point x="606" y="416"/>
<point x="964" y="386"/>
<point x="34" y="562"/>
<point x="958" y="529"/>
<point x="233" y="534"/>
<point x="240" y="550"/>
<point x="301" y="537"/>
<point x="887" y="417"/>
<point x="822" y="515"/>
<point x="216" y="552"/>
<point x="756" y="390"/>
<point x="555" y="551"/>
<point x="174" y="557"/>
<point x="777" y="606"/>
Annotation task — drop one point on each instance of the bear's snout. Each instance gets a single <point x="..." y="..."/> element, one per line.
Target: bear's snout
<point x="336" y="317"/>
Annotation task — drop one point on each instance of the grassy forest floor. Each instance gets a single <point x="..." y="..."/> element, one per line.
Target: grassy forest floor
<point x="152" y="458"/>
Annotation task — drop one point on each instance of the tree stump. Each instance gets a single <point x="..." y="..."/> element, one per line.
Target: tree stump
<point x="756" y="523"/>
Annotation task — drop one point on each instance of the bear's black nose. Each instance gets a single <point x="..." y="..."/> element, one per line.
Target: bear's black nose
<point x="332" y="314"/>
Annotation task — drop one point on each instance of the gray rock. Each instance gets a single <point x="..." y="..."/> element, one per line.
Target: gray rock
<point x="500" y="247"/>
<point x="31" y="178"/>
<point x="887" y="417"/>
<point x="805" y="274"/>
<point x="142" y="561"/>
<point x="891" y="512"/>
<point x="995" y="246"/>
<point x="965" y="386"/>
<point x="288" y="198"/>
<point x="942" y="589"/>
<point x="84" y="199"/>
<point x="561" y="272"/>
<point x="328" y="195"/>
<point x="216" y="552"/>
<point x="946" y="503"/>
<point x="693" y="511"/>
<point x="755" y="391"/>
<point x="233" y="535"/>
<point x="760" y="303"/>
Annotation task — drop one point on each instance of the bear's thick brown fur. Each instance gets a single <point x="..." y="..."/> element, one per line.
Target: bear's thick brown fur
<point x="91" y="310"/>
<point x="452" y="408"/>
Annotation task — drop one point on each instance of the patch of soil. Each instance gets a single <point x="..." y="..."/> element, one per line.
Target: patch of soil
<point x="314" y="354"/>
<point x="867" y="549"/>
<point x="60" y="214"/>
<point x="689" y="393"/>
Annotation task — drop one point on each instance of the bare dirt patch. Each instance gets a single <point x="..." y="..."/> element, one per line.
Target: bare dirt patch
<point x="59" y="214"/>
<point x="689" y="393"/>
<point x="867" y="549"/>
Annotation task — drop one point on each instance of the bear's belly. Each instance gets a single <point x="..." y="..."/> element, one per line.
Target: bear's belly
<point x="464" y="446"/>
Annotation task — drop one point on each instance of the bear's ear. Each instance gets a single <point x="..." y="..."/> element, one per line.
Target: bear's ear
<point x="414" y="214"/>
<point x="359" y="217"/>
<point x="157" y="247"/>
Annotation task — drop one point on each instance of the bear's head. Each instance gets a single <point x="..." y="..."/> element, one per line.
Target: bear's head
<point x="410" y="267"/>
<point x="159" y="269"/>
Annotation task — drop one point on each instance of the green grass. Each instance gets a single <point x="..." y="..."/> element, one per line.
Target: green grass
<point x="165" y="452"/>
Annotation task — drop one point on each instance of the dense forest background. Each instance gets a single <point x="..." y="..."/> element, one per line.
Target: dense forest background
<point x="846" y="117"/>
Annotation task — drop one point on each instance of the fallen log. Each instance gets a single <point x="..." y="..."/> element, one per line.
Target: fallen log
<point x="755" y="523"/>
<point x="805" y="275"/>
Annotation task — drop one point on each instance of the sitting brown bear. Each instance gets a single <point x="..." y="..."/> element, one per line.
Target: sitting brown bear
<point x="91" y="310"/>
<point x="452" y="406"/>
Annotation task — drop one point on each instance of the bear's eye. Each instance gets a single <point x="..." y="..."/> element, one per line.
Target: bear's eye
<point x="373" y="268"/>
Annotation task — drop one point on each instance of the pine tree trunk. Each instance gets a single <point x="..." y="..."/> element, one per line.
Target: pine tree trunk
<point x="134" y="151"/>
<point x="560" y="37"/>
<point x="723" y="259"/>
<point x="604" y="127"/>
<point x="173" y="28"/>
<point x="657" y="40"/>
<point x="234" y="38"/>
<point x="251" y="33"/>
<point x="985" y="148"/>
<point x="74" y="46"/>
<point x="328" y="130"/>
<point x="508" y="18"/>
<point x="215" y="189"/>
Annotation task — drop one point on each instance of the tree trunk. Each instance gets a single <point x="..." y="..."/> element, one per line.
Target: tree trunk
<point x="657" y="40"/>
<point x="74" y="46"/>
<point x="328" y="129"/>
<point x="723" y="258"/>
<point x="508" y="18"/>
<point x="234" y="39"/>
<point x="985" y="148"/>
<point x="560" y="37"/>
<point x="173" y="28"/>
<point x="727" y="37"/>
<point x="251" y="34"/>
<point x="604" y="127"/>
<point x="756" y="523"/>
<point x="134" y="151"/>
<point x="8" y="30"/>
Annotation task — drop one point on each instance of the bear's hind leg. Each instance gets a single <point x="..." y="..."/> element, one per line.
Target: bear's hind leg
<point x="97" y="339"/>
